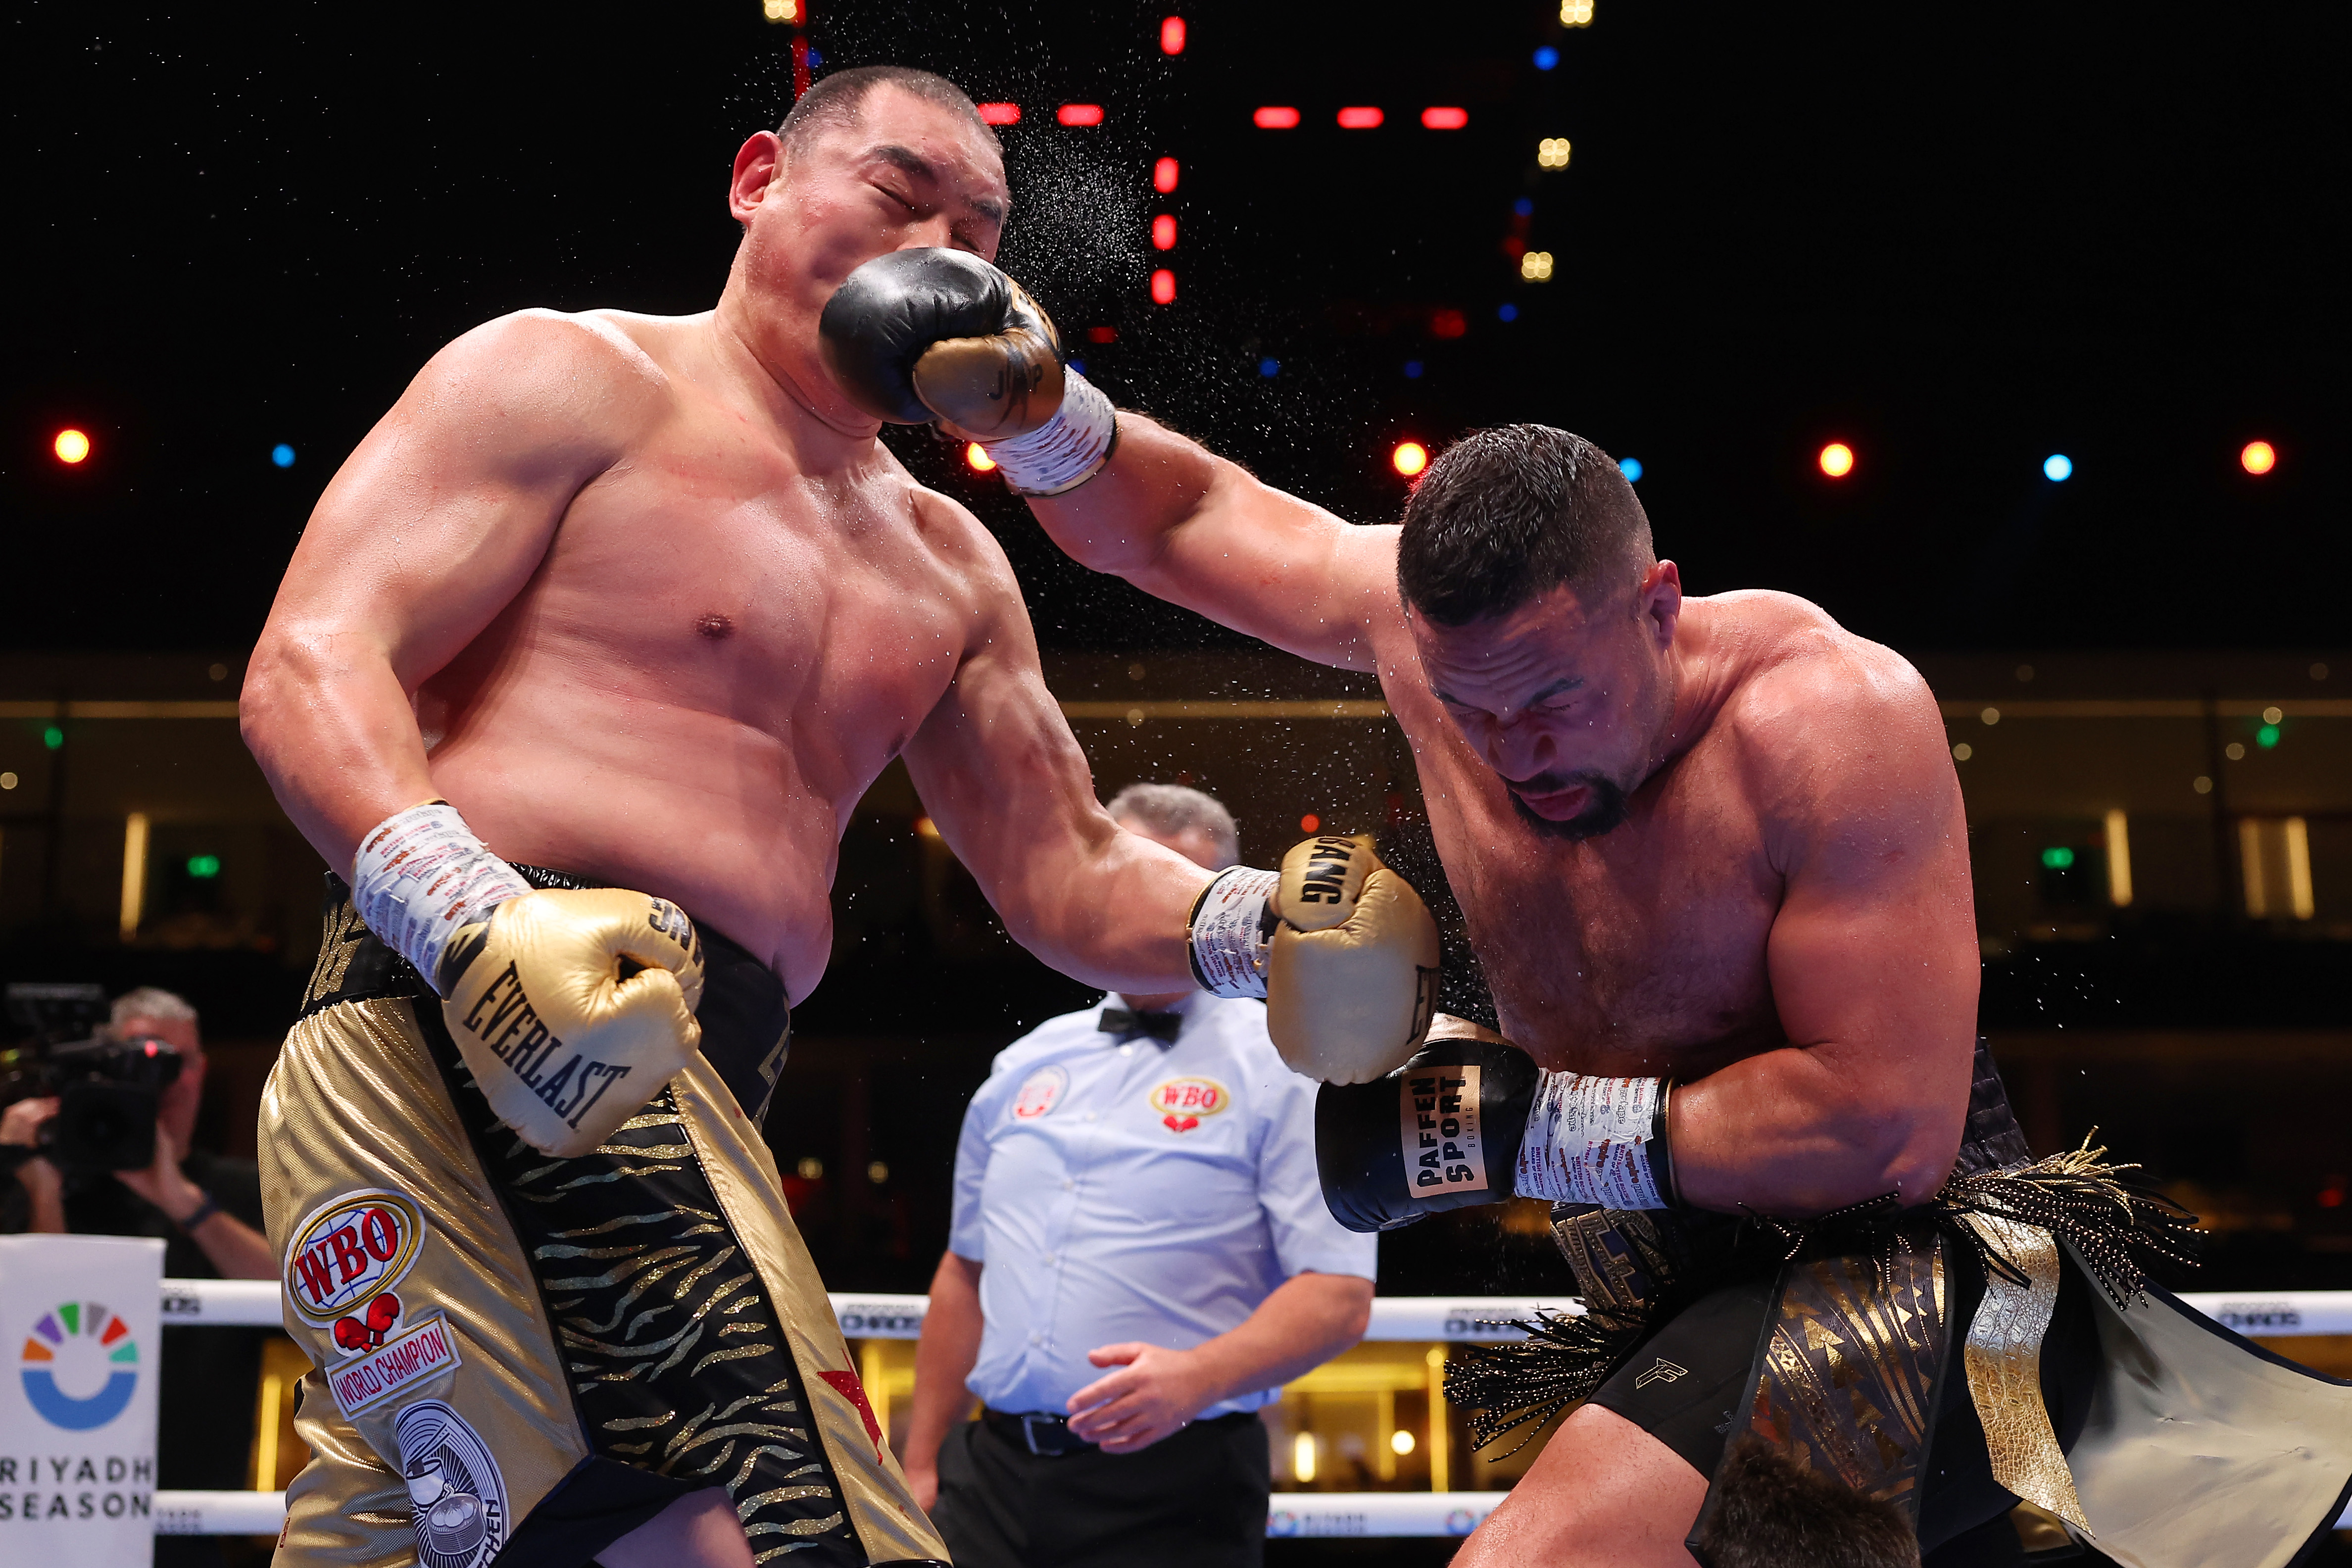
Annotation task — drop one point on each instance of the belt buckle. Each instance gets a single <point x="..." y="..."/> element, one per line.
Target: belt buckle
<point x="1030" y="1421"/>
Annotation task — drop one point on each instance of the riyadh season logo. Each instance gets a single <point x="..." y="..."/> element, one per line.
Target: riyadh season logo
<point x="79" y="1344"/>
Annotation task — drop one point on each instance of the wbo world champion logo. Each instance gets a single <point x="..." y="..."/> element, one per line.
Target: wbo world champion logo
<point x="80" y="1335"/>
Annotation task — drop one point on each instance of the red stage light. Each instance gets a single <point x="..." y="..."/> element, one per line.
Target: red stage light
<point x="1408" y="458"/>
<point x="1447" y="323"/>
<point x="71" y="445"/>
<point x="1079" y="114"/>
<point x="1000" y="113"/>
<point x="1275" y="118"/>
<point x="1445" y="118"/>
<point x="977" y="456"/>
<point x="1361" y="119"/>
<point x="1164" y="233"/>
<point x="1310" y="823"/>
<point x="1164" y="287"/>
<point x="2259" y="458"/>
<point x="1102" y="334"/>
<point x="1163" y="175"/>
<point x="1171" y="36"/>
<point x="1837" y="459"/>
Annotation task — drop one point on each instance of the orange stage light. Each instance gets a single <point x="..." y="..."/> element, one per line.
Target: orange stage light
<point x="2258" y="457"/>
<point x="1310" y="823"/>
<point x="1445" y="118"/>
<point x="1163" y="175"/>
<point x="71" y="445"/>
<point x="1171" y="36"/>
<point x="1079" y="114"/>
<point x="1837" y="459"/>
<point x="977" y="456"/>
<point x="1164" y="233"/>
<point x="1275" y="118"/>
<point x="1408" y="458"/>
<point x="1164" y="287"/>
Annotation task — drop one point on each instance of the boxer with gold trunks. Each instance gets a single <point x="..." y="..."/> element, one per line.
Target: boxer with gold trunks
<point x="585" y="658"/>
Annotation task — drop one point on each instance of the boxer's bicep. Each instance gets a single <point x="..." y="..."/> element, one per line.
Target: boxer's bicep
<point x="1187" y="527"/>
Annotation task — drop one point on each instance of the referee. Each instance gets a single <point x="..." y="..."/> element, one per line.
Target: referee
<point x="1140" y="1258"/>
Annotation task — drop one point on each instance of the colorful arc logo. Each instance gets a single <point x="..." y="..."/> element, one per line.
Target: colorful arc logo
<point x="80" y="1331"/>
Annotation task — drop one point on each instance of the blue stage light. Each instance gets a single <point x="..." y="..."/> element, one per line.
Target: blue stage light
<point x="1630" y="468"/>
<point x="1269" y="368"/>
<point x="1547" y="57"/>
<point x="1508" y="312"/>
<point x="817" y="60"/>
<point x="1079" y="365"/>
<point x="2058" y="465"/>
<point x="1524" y="207"/>
<point x="282" y="455"/>
<point x="1413" y="370"/>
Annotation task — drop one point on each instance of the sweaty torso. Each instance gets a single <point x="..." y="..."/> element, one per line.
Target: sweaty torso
<point x="716" y="656"/>
<point x="1641" y="952"/>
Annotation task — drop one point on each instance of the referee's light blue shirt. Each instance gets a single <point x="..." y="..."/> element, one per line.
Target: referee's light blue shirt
<point x="1123" y="1192"/>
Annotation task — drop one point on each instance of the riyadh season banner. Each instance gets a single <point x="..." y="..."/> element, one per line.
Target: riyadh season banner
<point x="80" y="1333"/>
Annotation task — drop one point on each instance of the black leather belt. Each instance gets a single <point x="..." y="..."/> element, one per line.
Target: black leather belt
<point x="1040" y="1432"/>
<point x="1049" y="1437"/>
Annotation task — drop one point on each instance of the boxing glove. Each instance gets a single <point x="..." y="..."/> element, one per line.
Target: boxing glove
<point x="573" y="1008"/>
<point x="918" y="335"/>
<point x="1341" y="948"/>
<point x="1441" y="1132"/>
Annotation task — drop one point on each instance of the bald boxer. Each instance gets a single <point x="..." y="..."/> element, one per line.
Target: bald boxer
<point x="1712" y="856"/>
<point x="585" y="658"/>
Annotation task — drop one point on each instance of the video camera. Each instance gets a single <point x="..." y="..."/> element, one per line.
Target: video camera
<point x="108" y="1089"/>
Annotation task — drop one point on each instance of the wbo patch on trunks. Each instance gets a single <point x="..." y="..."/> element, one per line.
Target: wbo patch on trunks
<point x="1438" y="1123"/>
<point x="454" y="1487"/>
<point x="351" y="1250"/>
<point x="369" y="1379"/>
<point x="1183" y="1101"/>
<point x="1040" y="1093"/>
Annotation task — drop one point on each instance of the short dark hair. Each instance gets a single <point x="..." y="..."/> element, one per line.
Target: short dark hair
<point x="839" y="99"/>
<point x="1508" y="513"/>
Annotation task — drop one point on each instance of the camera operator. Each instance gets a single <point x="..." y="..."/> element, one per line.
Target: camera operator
<point x="206" y="1209"/>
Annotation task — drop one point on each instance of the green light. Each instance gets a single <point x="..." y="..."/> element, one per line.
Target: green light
<point x="2058" y="858"/>
<point x="53" y="737"/>
<point x="2267" y="736"/>
<point x="202" y="866"/>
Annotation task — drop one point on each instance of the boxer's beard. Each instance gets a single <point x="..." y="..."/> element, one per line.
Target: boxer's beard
<point x="1607" y="811"/>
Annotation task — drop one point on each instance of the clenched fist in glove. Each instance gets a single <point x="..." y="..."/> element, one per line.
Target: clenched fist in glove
<point x="1341" y="948"/>
<point x="935" y="334"/>
<point x="572" y="1007"/>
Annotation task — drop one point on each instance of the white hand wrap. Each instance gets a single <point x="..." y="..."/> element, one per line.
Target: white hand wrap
<point x="1230" y="932"/>
<point x="1063" y="452"/>
<point x="420" y="875"/>
<point x="1586" y="1141"/>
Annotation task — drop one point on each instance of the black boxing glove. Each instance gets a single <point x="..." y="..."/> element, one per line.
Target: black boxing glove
<point x="1441" y="1132"/>
<point x="915" y="336"/>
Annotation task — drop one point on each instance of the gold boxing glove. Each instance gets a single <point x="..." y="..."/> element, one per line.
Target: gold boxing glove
<point x="1341" y="948"/>
<point x="573" y="1008"/>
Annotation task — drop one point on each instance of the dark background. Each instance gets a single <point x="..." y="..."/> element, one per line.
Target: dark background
<point x="1958" y="240"/>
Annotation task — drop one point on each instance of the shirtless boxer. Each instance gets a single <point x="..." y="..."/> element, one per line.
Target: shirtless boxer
<point x="1712" y="855"/>
<point x="646" y="601"/>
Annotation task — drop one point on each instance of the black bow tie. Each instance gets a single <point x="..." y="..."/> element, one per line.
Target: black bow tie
<point x="1122" y="1024"/>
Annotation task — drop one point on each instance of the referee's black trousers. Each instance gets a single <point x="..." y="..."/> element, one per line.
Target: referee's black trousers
<point x="1195" y="1499"/>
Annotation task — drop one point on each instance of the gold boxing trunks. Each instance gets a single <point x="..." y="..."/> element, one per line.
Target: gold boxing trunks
<point x="522" y="1359"/>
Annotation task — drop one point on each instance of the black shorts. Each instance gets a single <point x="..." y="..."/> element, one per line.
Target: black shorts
<point x="1686" y="1383"/>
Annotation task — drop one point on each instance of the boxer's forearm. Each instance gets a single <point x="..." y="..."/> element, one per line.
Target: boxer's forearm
<point x="1184" y="526"/>
<point x="335" y="735"/>
<point x="1797" y="1131"/>
<point x="1110" y="907"/>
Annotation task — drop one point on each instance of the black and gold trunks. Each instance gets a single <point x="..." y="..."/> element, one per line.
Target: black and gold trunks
<point x="519" y="1358"/>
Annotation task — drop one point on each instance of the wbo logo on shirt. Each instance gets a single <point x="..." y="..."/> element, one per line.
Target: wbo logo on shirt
<point x="1183" y="1101"/>
<point x="1040" y="1093"/>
